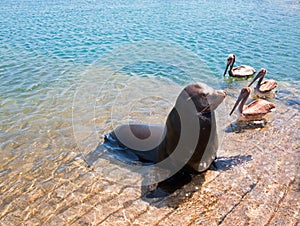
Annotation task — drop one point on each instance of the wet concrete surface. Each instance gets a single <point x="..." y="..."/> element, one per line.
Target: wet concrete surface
<point x="254" y="181"/>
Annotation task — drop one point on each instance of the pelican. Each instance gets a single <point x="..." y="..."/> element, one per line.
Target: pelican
<point x="256" y="110"/>
<point x="240" y="71"/>
<point x="265" y="88"/>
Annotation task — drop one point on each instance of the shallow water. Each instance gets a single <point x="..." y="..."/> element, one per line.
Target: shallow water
<point x="61" y="87"/>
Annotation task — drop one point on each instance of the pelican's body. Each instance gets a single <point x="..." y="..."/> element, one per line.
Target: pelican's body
<point x="265" y="88"/>
<point x="240" y="71"/>
<point x="256" y="110"/>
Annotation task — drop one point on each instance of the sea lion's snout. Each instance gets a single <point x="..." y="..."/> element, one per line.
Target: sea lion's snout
<point x="219" y="95"/>
<point x="223" y="93"/>
<point x="215" y="99"/>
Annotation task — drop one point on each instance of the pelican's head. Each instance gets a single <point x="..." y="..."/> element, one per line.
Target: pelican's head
<point x="244" y="94"/>
<point x="230" y="62"/>
<point x="261" y="74"/>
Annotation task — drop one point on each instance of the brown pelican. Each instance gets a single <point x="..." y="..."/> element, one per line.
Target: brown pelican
<point x="265" y="88"/>
<point x="256" y="110"/>
<point x="240" y="71"/>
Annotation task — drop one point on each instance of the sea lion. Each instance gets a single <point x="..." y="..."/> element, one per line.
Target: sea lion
<point x="189" y="134"/>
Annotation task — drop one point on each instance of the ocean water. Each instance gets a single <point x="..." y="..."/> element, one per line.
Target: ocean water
<point x="69" y="66"/>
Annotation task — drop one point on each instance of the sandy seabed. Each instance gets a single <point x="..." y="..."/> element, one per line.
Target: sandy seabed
<point x="255" y="182"/>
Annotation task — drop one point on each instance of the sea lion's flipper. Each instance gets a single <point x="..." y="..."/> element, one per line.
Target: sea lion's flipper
<point x="123" y="143"/>
<point x="118" y="151"/>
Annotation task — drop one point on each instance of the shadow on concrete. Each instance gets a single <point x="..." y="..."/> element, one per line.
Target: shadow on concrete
<point x="174" y="190"/>
<point x="184" y="183"/>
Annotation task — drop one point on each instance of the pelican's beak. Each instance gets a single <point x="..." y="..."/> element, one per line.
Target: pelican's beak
<point x="227" y="65"/>
<point x="259" y="75"/>
<point x="236" y="103"/>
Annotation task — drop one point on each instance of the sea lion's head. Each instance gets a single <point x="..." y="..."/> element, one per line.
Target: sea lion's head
<point x="191" y="125"/>
<point x="205" y="98"/>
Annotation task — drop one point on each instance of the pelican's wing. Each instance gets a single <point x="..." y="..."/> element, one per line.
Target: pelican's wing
<point x="258" y="107"/>
<point x="267" y="86"/>
<point x="243" y="70"/>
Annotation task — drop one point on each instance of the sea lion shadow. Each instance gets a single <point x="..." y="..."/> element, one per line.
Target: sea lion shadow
<point x="167" y="192"/>
<point x="123" y="157"/>
<point x="184" y="177"/>
<point x="172" y="191"/>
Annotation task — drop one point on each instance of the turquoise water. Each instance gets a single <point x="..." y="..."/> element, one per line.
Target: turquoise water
<point x="75" y="33"/>
<point x="45" y="46"/>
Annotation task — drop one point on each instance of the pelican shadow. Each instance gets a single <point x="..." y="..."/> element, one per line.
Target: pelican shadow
<point x="240" y="127"/>
<point x="223" y="163"/>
